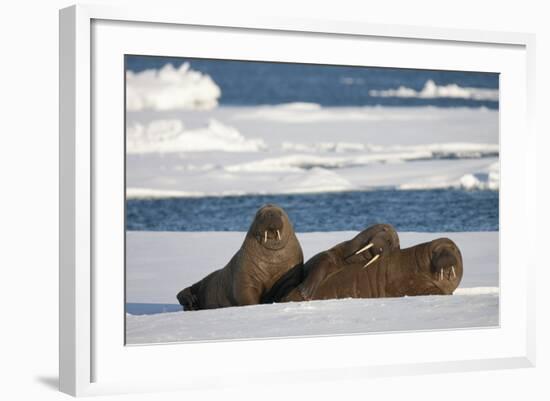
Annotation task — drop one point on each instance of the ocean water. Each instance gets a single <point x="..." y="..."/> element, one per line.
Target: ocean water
<point x="441" y="210"/>
<point x="151" y="309"/>
<point x="249" y="83"/>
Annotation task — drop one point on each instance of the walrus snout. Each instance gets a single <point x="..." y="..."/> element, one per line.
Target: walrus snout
<point x="273" y="221"/>
<point x="384" y="243"/>
<point x="376" y="241"/>
<point x="271" y="217"/>
<point x="270" y="224"/>
<point x="446" y="265"/>
<point x="187" y="299"/>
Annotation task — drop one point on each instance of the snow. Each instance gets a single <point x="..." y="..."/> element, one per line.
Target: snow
<point x="314" y="318"/>
<point x="431" y="90"/>
<point x="378" y="154"/>
<point x="159" y="264"/>
<point x="308" y="113"/>
<point x="413" y="152"/>
<point x="293" y="174"/>
<point x="170" y="88"/>
<point x="302" y="147"/>
<point x="338" y="147"/>
<point x="170" y="136"/>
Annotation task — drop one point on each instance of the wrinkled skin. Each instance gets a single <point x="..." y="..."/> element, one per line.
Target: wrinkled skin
<point x="303" y="282"/>
<point x="270" y="249"/>
<point x="431" y="268"/>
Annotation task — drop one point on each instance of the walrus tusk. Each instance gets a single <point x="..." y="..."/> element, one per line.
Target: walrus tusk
<point x="278" y="235"/>
<point x="372" y="260"/>
<point x="453" y="270"/>
<point x="265" y="236"/>
<point x="364" y="248"/>
<point x="440" y="274"/>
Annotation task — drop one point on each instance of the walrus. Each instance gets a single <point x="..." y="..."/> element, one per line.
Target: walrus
<point x="269" y="250"/>
<point x="431" y="268"/>
<point x="364" y="249"/>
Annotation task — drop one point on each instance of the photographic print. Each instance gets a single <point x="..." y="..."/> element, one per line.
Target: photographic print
<point x="268" y="199"/>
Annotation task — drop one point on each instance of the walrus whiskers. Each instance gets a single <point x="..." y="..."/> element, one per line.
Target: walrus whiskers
<point x="372" y="260"/>
<point x="364" y="248"/>
<point x="278" y="235"/>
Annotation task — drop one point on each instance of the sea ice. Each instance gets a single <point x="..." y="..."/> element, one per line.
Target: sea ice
<point x="159" y="264"/>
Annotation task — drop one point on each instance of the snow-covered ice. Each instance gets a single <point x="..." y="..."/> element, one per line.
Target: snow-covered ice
<point x="170" y="88"/>
<point x="431" y="91"/>
<point x="170" y="136"/>
<point x="330" y="317"/>
<point x="159" y="264"/>
<point x="304" y="148"/>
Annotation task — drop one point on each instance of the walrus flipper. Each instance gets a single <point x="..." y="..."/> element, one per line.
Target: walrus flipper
<point x="288" y="281"/>
<point x="187" y="299"/>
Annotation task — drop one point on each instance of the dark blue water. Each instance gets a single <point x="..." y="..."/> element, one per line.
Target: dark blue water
<point x="441" y="210"/>
<point x="260" y="83"/>
<point x="150" y="309"/>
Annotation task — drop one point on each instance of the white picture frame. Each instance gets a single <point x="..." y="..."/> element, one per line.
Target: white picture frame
<point x="93" y="358"/>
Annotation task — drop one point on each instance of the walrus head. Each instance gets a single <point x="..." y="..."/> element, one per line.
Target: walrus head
<point x="364" y="249"/>
<point x="271" y="227"/>
<point x="445" y="267"/>
<point x="432" y="268"/>
<point x="188" y="299"/>
<point x="370" y="245"/>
